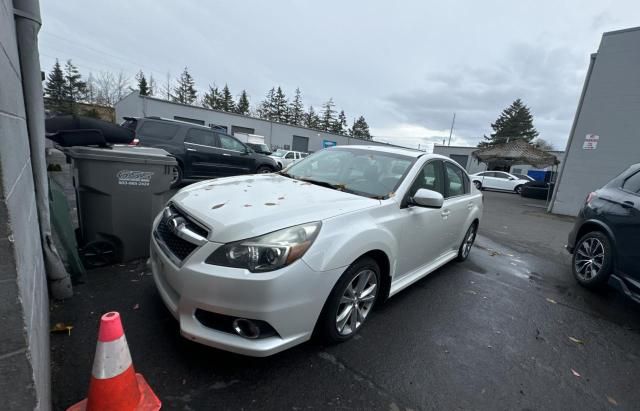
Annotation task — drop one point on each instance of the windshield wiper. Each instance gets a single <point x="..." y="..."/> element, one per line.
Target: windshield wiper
<point x="340" y="187"/>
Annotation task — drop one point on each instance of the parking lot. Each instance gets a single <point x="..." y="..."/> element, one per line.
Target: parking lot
<point x="508" y="328"/>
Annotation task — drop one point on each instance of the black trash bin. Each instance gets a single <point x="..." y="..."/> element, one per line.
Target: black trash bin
<point x="119" y="192"/>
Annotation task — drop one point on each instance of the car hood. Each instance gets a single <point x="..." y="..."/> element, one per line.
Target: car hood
<point x="236" y="208"/>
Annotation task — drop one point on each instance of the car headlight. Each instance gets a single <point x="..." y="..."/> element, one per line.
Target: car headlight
<point x="268" y="252"/>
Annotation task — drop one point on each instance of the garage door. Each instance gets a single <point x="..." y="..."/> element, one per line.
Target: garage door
<point x="300" y="144"/>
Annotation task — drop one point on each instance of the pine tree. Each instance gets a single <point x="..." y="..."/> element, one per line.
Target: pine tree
<point x="242" y="107"/>
<point x="280" y="110"/>
<point x="227" y="103"/>
<point x="514" y="123"/>
<point x="265" y="109"/>
<point x="212" y="99"/>
<point x="143" y="87"/>
<point x="75" y="87"/>
<point x="360" y="129"/>
<point x="296" y="109"/>
<point x="340" y="125"/>
<point x="55" y="89"/>
<point x="311" y="119"/>
<point x="185" y="90"/>
<point x="328" y="116"/>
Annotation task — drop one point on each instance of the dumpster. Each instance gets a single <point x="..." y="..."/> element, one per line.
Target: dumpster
<point x="119" y="192"/>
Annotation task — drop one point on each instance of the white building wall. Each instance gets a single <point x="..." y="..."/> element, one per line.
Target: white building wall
<point x="609" y="108"/>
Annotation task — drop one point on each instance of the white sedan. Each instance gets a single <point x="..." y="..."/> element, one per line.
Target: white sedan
<point x="254" y="264"/>
<point x="498" y="180"/>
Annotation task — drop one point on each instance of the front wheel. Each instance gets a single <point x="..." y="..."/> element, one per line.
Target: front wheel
<point x="467" y="243"/>
<point x="593" y="260"/>
<point x="264" y="170"/>
<point x="350" y="301"/>
<point x="478" y="185"/>
<point x="176" y="176"/>
<point x="518" y="189"/>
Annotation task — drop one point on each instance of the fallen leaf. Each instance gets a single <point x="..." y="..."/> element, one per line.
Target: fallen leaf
<point x="575" y="340"/>
<point x="493" y="253"/>
<point x="136" y="307"/>
<point x="576" y="373"/>
<point x="62" y="327"/>
<point x="612" y="401"/>
<point x="552" y="301"/>
<point x="471" y="292"/>
<point x="391" y="194"/>
<point x="218" y="206"/>
<point x="280" y="198"/>
<point x="247" y="205"/>
<point x="269" y="204"/>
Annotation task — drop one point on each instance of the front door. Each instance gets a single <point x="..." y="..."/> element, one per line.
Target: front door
<point x="457" y="203"/>
<point x="201" y="154"/>
<point x="502" y="181"/>
<point x="626" y="225"/>
<point x="235" y="156"/>
<point x="423" y="231"/>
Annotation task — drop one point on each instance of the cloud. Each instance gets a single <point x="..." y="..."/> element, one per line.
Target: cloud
<point x="547" y="79"/>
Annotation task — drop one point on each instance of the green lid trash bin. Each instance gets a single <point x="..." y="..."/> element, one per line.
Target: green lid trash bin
<point x="119" y="192"/>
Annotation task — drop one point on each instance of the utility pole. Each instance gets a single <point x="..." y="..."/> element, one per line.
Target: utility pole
<point x="452" y="124"/>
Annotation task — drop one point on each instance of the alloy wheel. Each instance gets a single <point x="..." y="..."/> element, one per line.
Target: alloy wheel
<point x="468" y="241"/>
<point x="175" y="174"/>
<point x="589" y="258"/>
<point x="356" y="302"/>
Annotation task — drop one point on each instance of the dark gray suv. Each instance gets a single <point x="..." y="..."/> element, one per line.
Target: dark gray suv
<point x="201" y="152"/>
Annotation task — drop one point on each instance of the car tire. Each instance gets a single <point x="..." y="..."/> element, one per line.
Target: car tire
<point x="176" y="180"/>
<point x="518" y="189"/>
<point x="264" y="170"/>
<point x="478" y="185"/>
<point x="467" y="242"/>
<point x="331" y="327"/>
<point x="591" y="250"/>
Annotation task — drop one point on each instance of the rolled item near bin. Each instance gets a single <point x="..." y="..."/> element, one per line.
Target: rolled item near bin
<point x="119" y="191"/>
<point x="72" y="130"/>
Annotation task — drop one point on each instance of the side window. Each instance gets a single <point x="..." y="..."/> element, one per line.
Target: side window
<point x="632" y="184"/>
<point x="456" y="181"/>
<point x="289" y="155"/>
<point x="157" y="129"/>
<point x="202" y="137"/>
<point x="230" y="143"/>
<point x="502" y="176"/>
<point x="430" y="177"/>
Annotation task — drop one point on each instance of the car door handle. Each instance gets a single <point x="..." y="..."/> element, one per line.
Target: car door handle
<point x="627" y="203"/>
<point x="226" y="154"/>
<point x="469" y="206"/>
<point x="191" y="149"/>
<point x="445" y="213"/>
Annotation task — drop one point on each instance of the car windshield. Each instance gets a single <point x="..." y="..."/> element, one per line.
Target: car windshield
<point x="368" y="173"/>
<point x="279" y="153"/>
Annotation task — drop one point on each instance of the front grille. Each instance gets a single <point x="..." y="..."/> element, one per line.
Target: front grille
<point x="177" y="246"/>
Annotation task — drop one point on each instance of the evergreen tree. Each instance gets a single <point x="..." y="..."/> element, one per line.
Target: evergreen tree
<point x="280" y="109"/>
<point x="75" y="87"/>
<point x="265" y="109"/>
<point x="242" y="107"/>
<point x="296" y="109"/>
<point x="542" y="144"/>
<point x="55" y="89"/>
<point x="185" y="90"/>
<point x="212" y="99"/>
<point x="311" y="119"/>
<point x="340" y="125"/>
<point x="328" y="116"/>
<point x="226" y="102"/>
<point x="143" y="87"/>
<point x="514" y="123"/>
<point x="360" y="129"/>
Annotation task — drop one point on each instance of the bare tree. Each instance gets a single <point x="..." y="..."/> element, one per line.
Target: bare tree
<point x="90" y="96"/>
<point x="543" y="144"/>
<point x="121" y="86"/>
<point x="152" y="85"/>
<point x="168" y="88"/>
<point x="105" y="89"/>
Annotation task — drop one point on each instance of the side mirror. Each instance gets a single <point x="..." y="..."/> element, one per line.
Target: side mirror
<point x="427" y="198"/>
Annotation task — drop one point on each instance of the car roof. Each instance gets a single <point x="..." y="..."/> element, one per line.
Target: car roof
<point x="394" y="150"/>
<point x="169" y="120"/>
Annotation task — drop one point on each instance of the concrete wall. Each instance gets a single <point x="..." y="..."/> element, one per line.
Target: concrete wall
<point x="277" y="135"/>
<point x="610" y="108"/>
<point x="24" y="309"/>
<point x="473" y="165"/>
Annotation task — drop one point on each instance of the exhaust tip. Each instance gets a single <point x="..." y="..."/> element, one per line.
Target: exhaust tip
<point x="246" y="328"/>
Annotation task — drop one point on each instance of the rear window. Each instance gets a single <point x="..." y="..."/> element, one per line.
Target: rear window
<point x="130" y="123"/>
<point x="157" y="129"/>
<point x="632" y="184"/>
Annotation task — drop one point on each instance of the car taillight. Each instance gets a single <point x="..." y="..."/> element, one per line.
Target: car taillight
<point x="592" y="196"/>
<point x="135" y="142"/>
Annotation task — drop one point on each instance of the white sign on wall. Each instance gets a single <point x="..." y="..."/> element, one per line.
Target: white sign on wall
<point x="590" y="142"/>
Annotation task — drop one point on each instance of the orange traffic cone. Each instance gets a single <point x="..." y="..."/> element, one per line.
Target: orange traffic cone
<point x="114" y="385"/>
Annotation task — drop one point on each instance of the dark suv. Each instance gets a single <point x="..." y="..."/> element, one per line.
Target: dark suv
<point x="605" y="241"/>
<point x="201" y="152"/>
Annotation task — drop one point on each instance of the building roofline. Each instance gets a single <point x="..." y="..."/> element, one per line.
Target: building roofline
<point x="621" y="31"/>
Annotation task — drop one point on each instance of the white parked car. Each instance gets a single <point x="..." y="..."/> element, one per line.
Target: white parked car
<point x="498" y="180"/>
<point x="254" y="264"/>
<point x="285" y="158"/>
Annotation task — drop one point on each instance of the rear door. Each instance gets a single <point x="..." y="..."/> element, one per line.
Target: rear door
<point x="502" y="181"/>
<point x="490" y="180"/>
<point x="626" y="225"/>
<point x="202" y="154"/>
<point x="457" y="203"/>
<point x="235" y="156"/>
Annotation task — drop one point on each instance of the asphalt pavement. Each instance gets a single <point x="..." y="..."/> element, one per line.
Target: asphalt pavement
<point x="507" y="329"/>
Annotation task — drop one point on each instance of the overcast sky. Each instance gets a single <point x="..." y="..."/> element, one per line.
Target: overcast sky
<point x="407" y="66"/>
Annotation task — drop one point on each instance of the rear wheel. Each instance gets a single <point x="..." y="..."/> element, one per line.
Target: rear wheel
<point x="264" y="170"/>
<point x="176" y="176"/>
<point x="351" y="301"/>
<point x="478" y="185"/>
<point x="593" y="260"/>
<point x="518" y="189"/>
<point x="467" y="243"/>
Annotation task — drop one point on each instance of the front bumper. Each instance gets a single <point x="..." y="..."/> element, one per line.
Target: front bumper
<point x="289" y="299"/>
